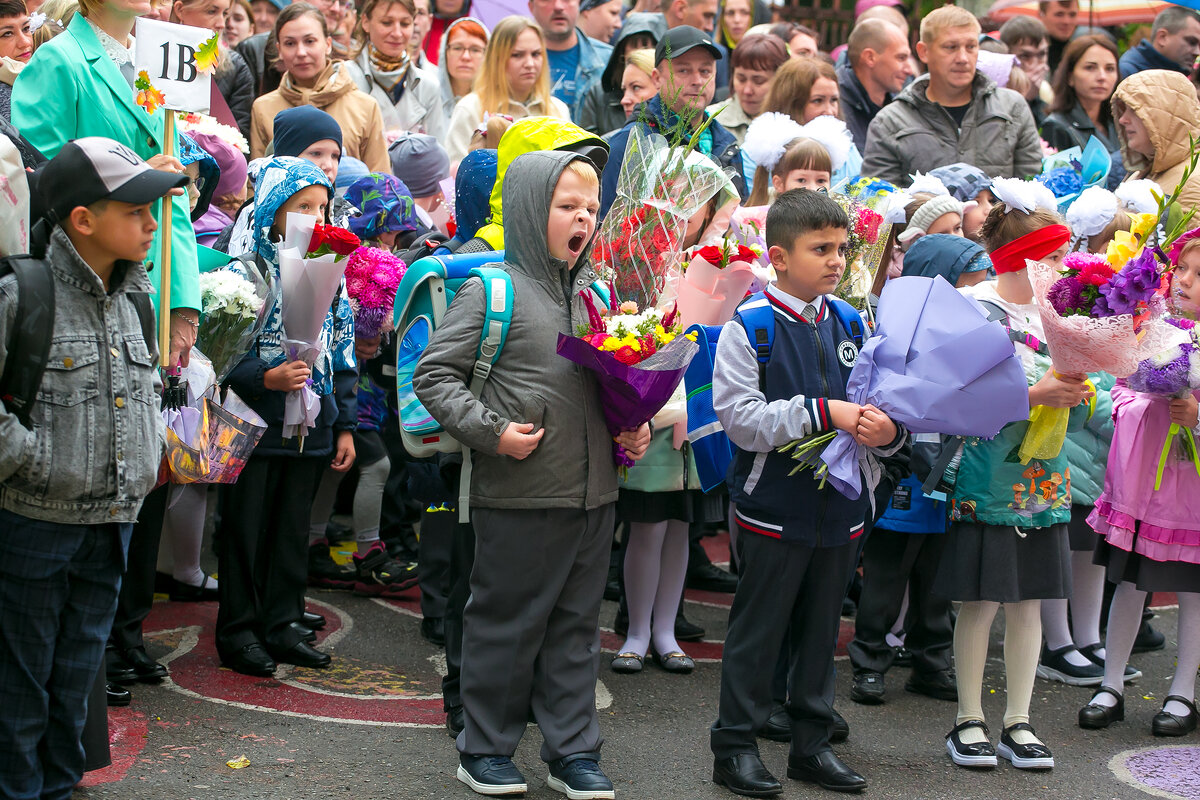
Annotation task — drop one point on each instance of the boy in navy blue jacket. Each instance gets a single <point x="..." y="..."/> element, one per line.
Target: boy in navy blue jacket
<point x="798" y="541"/>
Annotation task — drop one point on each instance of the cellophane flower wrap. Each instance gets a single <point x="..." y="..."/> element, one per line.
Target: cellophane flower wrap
<point x="866" y="242"/>
<point x="312" y="260"/>
<point x="233" y="310"/>
<point x="372" y="277"/>
<point x="1172" y="373"/>
<point x="639" y="358"/>
<point x="640" y="241"/>
<point x="934" y="365"/>
<point x="714" y="281"/>
<point x="749" y="227"/>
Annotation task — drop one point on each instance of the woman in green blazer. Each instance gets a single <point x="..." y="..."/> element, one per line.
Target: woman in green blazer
<point x="72" y="88"/>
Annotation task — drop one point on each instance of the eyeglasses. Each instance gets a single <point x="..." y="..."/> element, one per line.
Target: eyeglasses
<point x="459" y="49"/>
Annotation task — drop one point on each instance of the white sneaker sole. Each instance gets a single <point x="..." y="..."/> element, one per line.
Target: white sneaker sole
<point x="491" y="790"/>
<point x="1005" y="752"/>
<point x="969" y="761"/>
<point x="1052" y="674"/>
<point x="574" y="794"/>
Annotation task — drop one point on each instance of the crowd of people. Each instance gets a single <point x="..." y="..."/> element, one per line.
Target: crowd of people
<point x="425" y="131"/>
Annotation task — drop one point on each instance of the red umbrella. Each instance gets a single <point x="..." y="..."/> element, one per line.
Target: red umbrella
<point x="1094" y="13"/>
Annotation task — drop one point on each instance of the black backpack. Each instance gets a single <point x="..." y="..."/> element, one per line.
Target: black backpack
<point x="29" y="340"/>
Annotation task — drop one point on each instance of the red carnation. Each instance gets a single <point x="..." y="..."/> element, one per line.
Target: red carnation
<point x="627" y="355"/>
<point x="712" y="254"/>
<point x="341" y="241"/>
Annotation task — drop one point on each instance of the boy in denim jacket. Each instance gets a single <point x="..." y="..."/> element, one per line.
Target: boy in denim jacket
<point x="71" y="487"/>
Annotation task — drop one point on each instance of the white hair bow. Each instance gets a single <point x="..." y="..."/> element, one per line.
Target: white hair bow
<point x="1092" y="211"/>
<point x="1024" y="196"/>
<point x="771" y="133"/>
<point x="924" y="182"/>
<point x="1138" y="196"/>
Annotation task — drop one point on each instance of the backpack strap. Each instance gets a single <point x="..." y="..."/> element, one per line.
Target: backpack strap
<point x="758" y="318"/>
<point x="145" y="312"/>
<point x="998" y="314"/>
<point x="497" y="318"/>
<point x="850" y="318"/>
<point x="29" y="342"/>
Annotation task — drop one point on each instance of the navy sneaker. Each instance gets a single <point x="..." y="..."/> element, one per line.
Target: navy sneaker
<point x="491" y="775"/>
<point x="579" y="778"/>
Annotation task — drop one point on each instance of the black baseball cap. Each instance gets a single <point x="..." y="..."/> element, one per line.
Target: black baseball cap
<point x="679" y="40"/>
<point x="94" y="168"/>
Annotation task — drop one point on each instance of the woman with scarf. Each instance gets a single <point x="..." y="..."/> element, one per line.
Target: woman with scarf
<point x="409" y="97"/>
<point x="311" y="79"/>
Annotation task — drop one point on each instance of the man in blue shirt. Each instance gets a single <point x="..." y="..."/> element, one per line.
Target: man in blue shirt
<point x="1173" y="43"/>
<point x="576" y="61"/>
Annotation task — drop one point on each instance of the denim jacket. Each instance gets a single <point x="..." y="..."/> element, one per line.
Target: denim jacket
<point x="98" y="433"/>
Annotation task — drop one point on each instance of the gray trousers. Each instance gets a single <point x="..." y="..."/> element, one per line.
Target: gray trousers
<point x="531" y="635"/>
<point x="781" y="583"/>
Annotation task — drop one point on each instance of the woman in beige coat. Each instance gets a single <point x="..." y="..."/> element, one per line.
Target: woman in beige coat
<point x="310" y="78"/>
<point x="1156" y="112"/>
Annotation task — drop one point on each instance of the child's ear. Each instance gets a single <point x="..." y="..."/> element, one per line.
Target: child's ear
<point x="777" y="183"/>
<point x="778" y="257"/>
<point x="82" y="219"/>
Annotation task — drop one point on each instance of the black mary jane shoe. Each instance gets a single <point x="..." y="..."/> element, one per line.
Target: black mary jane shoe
<point x="181" y="592"/>
<point x="979" y="755"/>
<point x="1168" y="724"/>
<point x="1034" y="755"/>
<point x="1094" y="717"/>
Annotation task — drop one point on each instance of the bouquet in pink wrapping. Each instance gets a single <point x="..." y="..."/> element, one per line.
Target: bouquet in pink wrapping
<point x="372" y="277"/>
<point x="714" y="281"/>
<point x="639" y="359"/>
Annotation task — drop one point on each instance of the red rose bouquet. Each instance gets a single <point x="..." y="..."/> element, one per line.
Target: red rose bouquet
<point x="714" y="281"/>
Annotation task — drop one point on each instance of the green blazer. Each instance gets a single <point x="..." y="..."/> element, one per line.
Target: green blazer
<point x="71" y="89"/>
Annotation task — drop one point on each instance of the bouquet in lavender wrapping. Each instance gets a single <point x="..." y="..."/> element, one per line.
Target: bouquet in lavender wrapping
<point x="639" y="359"/>
<point x="1173" y="373"/>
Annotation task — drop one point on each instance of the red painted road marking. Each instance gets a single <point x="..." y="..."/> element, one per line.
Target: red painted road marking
<point x="126" y="740"/>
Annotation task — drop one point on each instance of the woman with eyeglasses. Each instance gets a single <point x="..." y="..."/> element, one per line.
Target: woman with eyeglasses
<point x="463" y="45"/>
<point x="514" y="80"/>
<point x="409" y="97"/>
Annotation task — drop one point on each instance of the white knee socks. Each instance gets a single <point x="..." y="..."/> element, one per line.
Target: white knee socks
<point x="1124" y="619"/>
<point x="971" y="633"/>
<point x="1022" y="645"/>
<point x="1188" y="662"/>
<point x="184" y="526"/>
<point x="1087" y="597"/>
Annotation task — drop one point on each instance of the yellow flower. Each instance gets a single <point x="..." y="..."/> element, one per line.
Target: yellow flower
<point x="1122" y="249"/>
<point x="1143" y="224"/>
<point x="630" y="341"/>
<point x="610" y="344"/>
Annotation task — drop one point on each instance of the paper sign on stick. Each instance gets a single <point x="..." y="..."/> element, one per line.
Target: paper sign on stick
<point x="166" y="52"/>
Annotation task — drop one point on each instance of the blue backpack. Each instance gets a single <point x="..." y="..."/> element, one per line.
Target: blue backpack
<point x="424" y="294"/>
<point x="710" y="446"/>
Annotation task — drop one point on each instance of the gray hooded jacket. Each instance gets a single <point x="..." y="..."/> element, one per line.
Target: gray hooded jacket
<point x="572" y="466"/>
<point x="913" y="134"/>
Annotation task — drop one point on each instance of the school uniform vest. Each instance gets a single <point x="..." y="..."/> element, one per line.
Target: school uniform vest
<point x="813" y="360"/>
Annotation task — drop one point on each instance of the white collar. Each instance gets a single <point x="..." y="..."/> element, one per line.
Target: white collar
<point x="794" y="304"/>
<point x="117" y="52"/>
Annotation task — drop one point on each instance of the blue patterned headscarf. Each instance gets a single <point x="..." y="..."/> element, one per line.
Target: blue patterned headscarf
<point x="277" y="181"/>
<point x="385" y="203"/>
<point x="209" y="171"/>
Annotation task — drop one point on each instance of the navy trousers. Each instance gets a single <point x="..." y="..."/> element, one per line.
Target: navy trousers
<point x="58" y="594"/>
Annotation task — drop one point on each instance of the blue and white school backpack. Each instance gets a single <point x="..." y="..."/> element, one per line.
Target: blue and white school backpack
<point x="710" y="446"/>
<point x="425" y="291"/>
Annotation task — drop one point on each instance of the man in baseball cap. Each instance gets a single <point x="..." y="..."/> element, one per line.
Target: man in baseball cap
<point x="685" y="69"/>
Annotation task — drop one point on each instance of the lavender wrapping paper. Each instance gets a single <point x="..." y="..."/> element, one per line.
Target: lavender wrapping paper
<point x="934" y="365"/>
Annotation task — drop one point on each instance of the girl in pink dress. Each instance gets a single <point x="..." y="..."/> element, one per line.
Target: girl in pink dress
<point x="1151" y="538"/>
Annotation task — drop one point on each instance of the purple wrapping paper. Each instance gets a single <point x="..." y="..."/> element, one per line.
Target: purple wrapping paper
<point x="631" y="395"/>
<point x="934" y="365"/>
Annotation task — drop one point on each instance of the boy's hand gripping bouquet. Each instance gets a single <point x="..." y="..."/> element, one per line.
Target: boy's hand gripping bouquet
<point x="639" y="359"/>
<point x="312" y="259"/>
<point x="934" y="365"/>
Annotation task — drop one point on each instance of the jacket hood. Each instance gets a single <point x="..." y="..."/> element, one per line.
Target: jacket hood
<point x="333" y="82"/>
<point x="635" y="23"/>
<point x="529" y="185"/>
<point x="473" y="189"/>
<point x="277" y="181"/>
<point x="443" y="72"/>
<point x="942" y="254"/>
<point x="10" y="68"/>
<point x="1166" y="104"/>
<point x="525" y="136"/>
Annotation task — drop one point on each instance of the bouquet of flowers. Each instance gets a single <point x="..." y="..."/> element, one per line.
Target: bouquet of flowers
<point x="202" y="123"/>
<point x="659" y="188"/>
<point x="934" y="365"/>
<point x="311" y="263"/>
<point x="1068" y="172"/>
<point x="639" y="359"/>
<point x="232" y="313"/>
<point x="372" y="277"/>
<point x="865" y="246"/>
<point x="714" y="281"/>
<point x="1173" y="373"/>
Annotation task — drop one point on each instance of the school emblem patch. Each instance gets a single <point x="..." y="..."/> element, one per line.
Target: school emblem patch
<point x="847" y="353"/>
